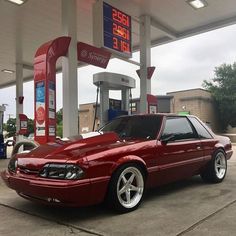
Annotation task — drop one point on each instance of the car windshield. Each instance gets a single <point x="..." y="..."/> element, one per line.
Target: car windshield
<point x="133" y="127"/>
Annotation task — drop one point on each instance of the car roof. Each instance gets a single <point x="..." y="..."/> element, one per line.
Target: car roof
<point x="159" y="114"/>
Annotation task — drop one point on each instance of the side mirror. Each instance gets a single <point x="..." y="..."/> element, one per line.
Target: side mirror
<point x="167" y="139"/>
<point x="10" y="143"/>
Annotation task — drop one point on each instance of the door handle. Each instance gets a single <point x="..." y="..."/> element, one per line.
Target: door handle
<point x="199" y="147"/>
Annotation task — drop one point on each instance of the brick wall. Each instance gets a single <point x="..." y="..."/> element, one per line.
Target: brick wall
<point x="197" y="102"/>
<point x="86" y="118"/>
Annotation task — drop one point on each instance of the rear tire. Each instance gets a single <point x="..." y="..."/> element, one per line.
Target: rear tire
<point x="216" y="170"/>
<point x="126" y="188"/>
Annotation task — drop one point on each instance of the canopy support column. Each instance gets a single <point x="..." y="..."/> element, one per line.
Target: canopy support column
<point x="69" y="70"/>
<point x="145" y="61"/>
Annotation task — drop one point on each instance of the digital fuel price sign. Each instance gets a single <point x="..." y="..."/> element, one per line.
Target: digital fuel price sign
<point x="112" y="29"/>
<point x="116" y="30"/>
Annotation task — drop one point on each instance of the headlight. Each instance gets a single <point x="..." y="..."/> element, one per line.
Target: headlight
<point x="61" y="171"/>
<point x="12" y="165"/>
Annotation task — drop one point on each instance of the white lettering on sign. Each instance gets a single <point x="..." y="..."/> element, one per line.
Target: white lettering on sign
<point x="97" y="57"/>
<point x="93" y="56"/>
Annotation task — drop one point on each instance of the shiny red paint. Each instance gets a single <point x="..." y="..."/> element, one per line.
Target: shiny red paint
<point x="100" y="156"/>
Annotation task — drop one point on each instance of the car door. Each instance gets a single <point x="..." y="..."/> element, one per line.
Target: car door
<point x="207" y="140"/>
<point x="179" y="150"/>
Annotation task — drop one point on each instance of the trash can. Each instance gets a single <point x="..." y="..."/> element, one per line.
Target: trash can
<point x="3" y="153"/>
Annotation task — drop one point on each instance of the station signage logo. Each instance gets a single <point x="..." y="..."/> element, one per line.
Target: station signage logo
<point x="150" y="71"/>
<point x="40" y="108"/>
<point x="93" y="55"/>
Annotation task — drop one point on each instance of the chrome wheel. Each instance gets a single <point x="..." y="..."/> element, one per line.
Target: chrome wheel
<point x="130" y="186"/>
<point x="215" y="170"/>
<point x="220" y="165"/>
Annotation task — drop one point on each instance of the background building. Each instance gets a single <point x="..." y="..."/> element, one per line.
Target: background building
<point x="164" y="104"/>
<point x="86" y="117"/>
<point x="197" y="102"/>
<point x="87" y="111"/>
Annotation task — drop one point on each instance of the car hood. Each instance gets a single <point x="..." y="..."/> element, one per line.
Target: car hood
<point x="71" y="149"/>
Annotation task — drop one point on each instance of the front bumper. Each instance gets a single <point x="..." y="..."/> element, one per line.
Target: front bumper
<point x="58" y="192"/>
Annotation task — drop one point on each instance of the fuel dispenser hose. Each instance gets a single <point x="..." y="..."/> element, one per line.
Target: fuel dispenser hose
<point x="96" y="107"/>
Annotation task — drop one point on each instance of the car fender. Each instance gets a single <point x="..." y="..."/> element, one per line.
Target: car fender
<point x="128" y="159"/>
<point x="218" y="147"/>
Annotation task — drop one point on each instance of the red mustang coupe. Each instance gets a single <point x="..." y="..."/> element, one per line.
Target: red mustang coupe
<point x="119" y="161"/>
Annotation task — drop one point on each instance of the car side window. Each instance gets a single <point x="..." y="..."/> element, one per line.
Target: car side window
<point x="201" y="130"/>
<point x="178" y="127"/>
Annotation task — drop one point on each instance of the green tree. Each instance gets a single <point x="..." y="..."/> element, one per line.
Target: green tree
<point x="59" y="116"/>
<point x="11" y="127"/>
<point x="5" y="126"/>
<point x="30" y="126"/>
<point x="223" y="89"/>
<point x="59" y="130"/>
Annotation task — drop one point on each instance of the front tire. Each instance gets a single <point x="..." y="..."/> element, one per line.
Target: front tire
<point x="216" y="170"/>
<point x="126" y="188"/>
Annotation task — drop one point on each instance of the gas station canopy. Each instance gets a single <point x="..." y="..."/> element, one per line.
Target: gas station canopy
<point x="35" y="22"/>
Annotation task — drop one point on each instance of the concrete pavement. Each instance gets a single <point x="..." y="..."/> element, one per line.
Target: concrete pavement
<point x="189" y="207"/>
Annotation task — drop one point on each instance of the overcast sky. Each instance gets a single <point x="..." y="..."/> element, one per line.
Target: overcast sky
<point x="180" y="65"/>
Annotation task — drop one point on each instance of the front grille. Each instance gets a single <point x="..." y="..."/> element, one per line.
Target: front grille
<point x="28" y="171"/>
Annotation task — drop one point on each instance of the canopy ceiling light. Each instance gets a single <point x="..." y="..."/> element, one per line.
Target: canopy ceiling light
<point x="8" y="71"/>
<point x="197" y="4"/>
<point x="17" y="2"/>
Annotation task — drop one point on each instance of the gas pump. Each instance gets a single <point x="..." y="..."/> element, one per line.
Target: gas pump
<point x="115" y="109"/>
<point x="2" y="145"/>
<point x="111" y="108"/>
<point x="23" y="124"/>
<point x="152" y="104"/>
<point x="2" y="109"/>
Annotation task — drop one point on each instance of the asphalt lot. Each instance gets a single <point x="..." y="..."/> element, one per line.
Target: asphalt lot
<point x="189" y="207"/>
